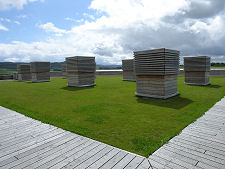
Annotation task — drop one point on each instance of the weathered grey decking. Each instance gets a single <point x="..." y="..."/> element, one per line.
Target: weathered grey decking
<point x="200" y="145"/>
<point x="28" y="143"/>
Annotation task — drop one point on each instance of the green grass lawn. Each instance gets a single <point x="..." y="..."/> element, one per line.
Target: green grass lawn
<point x="110" y="112"/>
<point x="4" y="71"/>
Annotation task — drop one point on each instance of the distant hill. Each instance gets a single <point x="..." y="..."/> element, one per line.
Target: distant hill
<point x="9" y="67"/>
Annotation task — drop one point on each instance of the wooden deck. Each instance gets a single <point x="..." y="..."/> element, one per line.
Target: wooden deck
<point x="201" y="145"/>
<point x="28" y="143"/>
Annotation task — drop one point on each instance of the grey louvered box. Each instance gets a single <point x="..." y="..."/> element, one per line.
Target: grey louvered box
<point x="81" y="71"/>
<point x="40" y="71"/>
<point x="196" y="70"/>
<point x="64" y="71"/>
<point x="24" y="72"/>
<point x="128" y="70"/>
<point x="156" y="73"/>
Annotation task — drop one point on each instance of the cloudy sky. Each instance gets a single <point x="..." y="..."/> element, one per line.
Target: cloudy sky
<point x="50" y="30"/>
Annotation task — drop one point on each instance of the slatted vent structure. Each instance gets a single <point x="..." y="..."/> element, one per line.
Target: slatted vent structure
<point x="128" y="70"/>
<point x="40" y="71"/>
<point x="64" y="73"/>
<point x="196" y="70"/>
<point x="156" y="73"/>
<point x="24" y="73"/>
<point x="81" y="71"/>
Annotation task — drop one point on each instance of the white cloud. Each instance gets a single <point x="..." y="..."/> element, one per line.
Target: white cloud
<point x="89" y="16"/>
<point x="18" y="4"/>
<point x="128" y="25"/>
<point x="50" y="27"/>
<point x="17" y="22"/>
<point x="3" y="28"/>
<point x="22" y="16"/>
<point x="70" y="19"/>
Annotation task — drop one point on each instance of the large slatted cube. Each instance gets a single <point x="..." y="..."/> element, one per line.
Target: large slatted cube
<point x="64" y="72"/>
<point x="128" y="70"/>
<point x="156" y="73"/>
<point x="196" y="70"/>
<point x="24" y="72"/>
<point x="40" y="71"/>
<point x="81" y="71"/>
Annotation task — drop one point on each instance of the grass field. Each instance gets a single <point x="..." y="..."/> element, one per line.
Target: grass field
<point x="4" y="71"/>
<point x="109" y="112"/>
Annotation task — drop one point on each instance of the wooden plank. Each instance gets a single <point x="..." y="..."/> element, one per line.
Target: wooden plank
<point x="13" y="155"/>
<point x="82" y="158"/>
<point x="51" y="154"/>
<point x="135" y="162"/>
<point x="63" y="161"/>
<point x="33" y="142"/>
<point x="104" y="159"/>
<point x="124" y="162"/>
<point x="145" y="165"/>
<point x="95" y="157"/>
<point x="23" y="157"/>
<point x="113" y="161"/>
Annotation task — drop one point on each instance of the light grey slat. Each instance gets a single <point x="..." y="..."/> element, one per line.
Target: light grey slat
<point x="171" y="156"/>
<point x="47" y="153"/>
<point x="104" y="159"/>
<point x="4" y="118"/>
<point x="18" y="135"/>
<point x="96" y="157"/>
<point x="200" y="130"/>
<point x="194" y="135"/>
<point x="77" y="161"/>
<point x="215" y="154"/>
<point x="198" y="149"/>
<point x="19" y="130"/>
<point x="16" y="160"/>
<point x="205" y="137"/>
<point x="22" y="139"/>
<point x="11" y="126"/>
<point x="190" y="155"/>
<point x="26" y="138"/>
<point x="32" y="139"/>
<point x="30" y="148"/>
<point x="4" y="114"/>
<point x="207" y="166"/>
<point x="57" y="157"/>
<point x="145" y="165"/>
<point x="14" y="120"/>
<point x="113" y="161"/>
<point x="203" y="144"/>
<point x="125" y="161"/>
<point x="208" y="129"/>
<point x="155" y="165"/>
<point x="42" y="138"/>
<point x="135" y="162"/>
<point x="61" y="162"/>
<point x="18" y="124"/>
<point x="158" y="162"/>
<point x="207" y="148"/>
<point x="11" y="117"/>
<point x="202" y="155"/>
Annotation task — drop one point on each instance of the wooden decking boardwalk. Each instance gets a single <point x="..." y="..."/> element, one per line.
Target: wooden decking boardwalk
<point x="28" y="143"/>
<point x="201" y="145"/>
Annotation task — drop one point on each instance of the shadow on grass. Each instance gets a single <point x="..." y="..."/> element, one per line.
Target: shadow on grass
<point x="76" y="88"/>
<point x="213" y="86"/>
<point x="176" y="102"/>
<point x="30" y="82"/>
